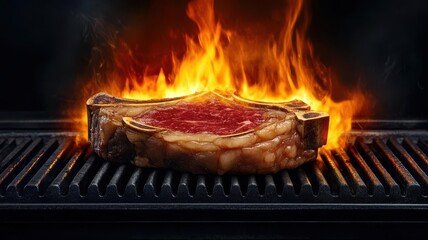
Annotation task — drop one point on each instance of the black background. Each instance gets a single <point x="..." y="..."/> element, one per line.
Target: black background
<point x="378" y="45"/>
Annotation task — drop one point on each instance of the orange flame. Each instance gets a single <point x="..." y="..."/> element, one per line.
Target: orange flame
<point x="286" y="69"/>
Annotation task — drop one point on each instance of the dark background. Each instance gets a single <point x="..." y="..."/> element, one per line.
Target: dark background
<point x="46" y="46"/>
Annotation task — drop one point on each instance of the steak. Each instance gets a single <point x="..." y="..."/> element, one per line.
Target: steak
<point x="208" y="132"/>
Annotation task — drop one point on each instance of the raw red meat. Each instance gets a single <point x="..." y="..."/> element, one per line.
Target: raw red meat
<point x="204" y="117"/>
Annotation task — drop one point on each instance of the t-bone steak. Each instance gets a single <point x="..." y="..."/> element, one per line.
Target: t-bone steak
<point x="208" y="132"/>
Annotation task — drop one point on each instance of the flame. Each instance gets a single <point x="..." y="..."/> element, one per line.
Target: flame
<point x="220" y="59"/>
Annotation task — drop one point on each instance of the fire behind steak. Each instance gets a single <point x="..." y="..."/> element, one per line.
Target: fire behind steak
<point x="208" y="132"/>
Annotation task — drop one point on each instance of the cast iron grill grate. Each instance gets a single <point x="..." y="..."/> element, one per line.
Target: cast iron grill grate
<point x="53" y="169"/>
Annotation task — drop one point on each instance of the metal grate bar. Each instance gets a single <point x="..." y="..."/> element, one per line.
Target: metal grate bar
<point x="6" y="148"/>
<point x="410" y="164"/>
<point x="18" y="164"/>
<point x="424" y="146"/>
<point x="11" y="151"/>
<point x="357" y="185"/>
<point x="416" y="153"/>
<point x="335" y="175"/>
<point x="270" y="188"/>
<point x="14" y="189"/>
<point x="391" y="187"/>
<point x="117" y="184"/>
<point x="98" y="186"/>
<point x="39" y="183"/>
<point x="79" y="185"/>
<point x="59" y="185"/>
<point x="374" y="186"/>
<point x="134" y="186"/>
<point x="408" y="184"/>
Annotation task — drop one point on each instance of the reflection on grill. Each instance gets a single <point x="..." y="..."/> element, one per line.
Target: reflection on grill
<point x="373" y="170"/>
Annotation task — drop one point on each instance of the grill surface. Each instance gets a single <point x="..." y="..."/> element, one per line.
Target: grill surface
<point x="379" y="167"/>
<point x="377" y="187"/>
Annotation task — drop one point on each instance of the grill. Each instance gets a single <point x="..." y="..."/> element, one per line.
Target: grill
<point x="381" y="176"/>
<point x="54" y="169"/>
<point x="379" y="167"/>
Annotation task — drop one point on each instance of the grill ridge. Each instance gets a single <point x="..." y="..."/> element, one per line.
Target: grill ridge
<point x="15" y="188"/>
<point x="374" y="186"/>
<point x="80" y="183"/>
<point x="410" y="164"/>
<point x="47" y="172"/>
<point x="389" y="184"/>
<point x="416" y="153"/>
<point x="371" y="170"/>
<point x="18" y="164"/>
<point x="424" y="146"/>
<point x="11" y="151"/>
